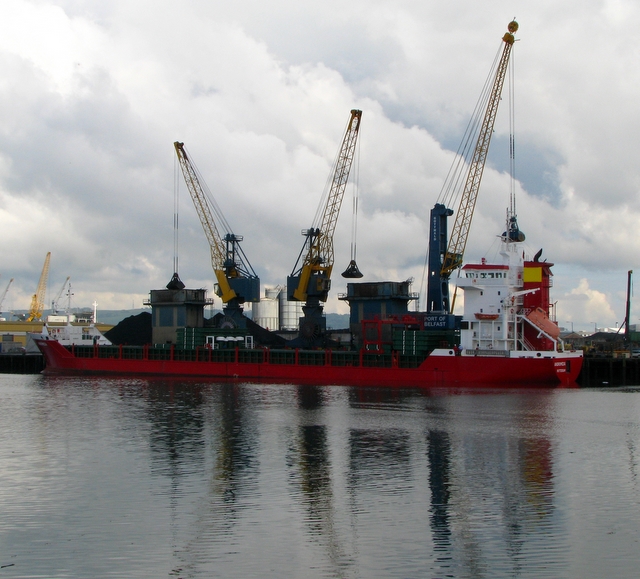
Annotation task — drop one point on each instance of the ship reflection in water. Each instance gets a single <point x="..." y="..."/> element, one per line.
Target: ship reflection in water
<point x="140" y="478"/>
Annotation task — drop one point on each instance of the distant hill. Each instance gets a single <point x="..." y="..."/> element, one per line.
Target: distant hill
<point x="114" y="317"/>
<point x="109" y="317"/>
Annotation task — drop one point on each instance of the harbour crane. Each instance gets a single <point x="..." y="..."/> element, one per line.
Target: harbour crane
<point x="310" y="280"/>
<point x="37" y="301"/>
<point x="54" y="302"/>
<point x="4" y="293"/>
<point x="237" y="281"/>
<point x="445" y="258"/>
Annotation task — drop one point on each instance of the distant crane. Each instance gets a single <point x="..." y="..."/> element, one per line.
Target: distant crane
<point x="237" y="282"/>
<point x="310" y="280"/>
<point x="442" y="262"/>
<point x="4" y="293"/>
<point x="37" y="301"/>
<point x="54" y="302"/>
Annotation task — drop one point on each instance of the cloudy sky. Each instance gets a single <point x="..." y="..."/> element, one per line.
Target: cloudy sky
<point x="93" y="95"/>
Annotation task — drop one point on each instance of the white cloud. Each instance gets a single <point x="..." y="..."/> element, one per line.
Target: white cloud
<point x="584" y="303"/>
<point x="93" y="95"/>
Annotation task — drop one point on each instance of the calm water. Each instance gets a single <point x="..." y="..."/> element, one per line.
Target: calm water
<point x="139" y="478"/>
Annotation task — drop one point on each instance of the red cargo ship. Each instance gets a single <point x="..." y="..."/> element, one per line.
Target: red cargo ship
<point x="512" y="343"/>
<point x="442" y="367"/>
<point x="505" y="337"/>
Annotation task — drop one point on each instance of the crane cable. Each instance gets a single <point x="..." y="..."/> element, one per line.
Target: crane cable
<point x="453" y="185"/>
<point x="355" y="198"/>
<point x="209" y="198"/>
<point x="512" y="132"/>
<point x="454" y="181"/>
<point x="176" y="204"/>
<point x="320" y="211"/>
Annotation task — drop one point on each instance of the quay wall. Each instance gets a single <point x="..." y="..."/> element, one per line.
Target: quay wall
<point x="609" y="371"/>
<point x="21" y="363"/>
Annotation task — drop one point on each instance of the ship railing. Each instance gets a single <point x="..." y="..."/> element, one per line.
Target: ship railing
<point x="335" y="358"/>
<point x="488" y="352"/>
<point x="526" y="345"/>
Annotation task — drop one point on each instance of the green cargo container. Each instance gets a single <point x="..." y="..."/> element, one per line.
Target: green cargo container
<point x="420" y="342"/>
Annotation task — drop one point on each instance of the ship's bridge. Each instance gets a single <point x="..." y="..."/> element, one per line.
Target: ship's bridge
<point x="483" y="274"/>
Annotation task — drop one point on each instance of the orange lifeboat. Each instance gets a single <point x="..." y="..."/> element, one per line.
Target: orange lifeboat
<point x="480" y="316"/>
<point x="539" y="319"/>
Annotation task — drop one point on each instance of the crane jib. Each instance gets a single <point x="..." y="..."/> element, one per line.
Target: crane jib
<point x="464" y="215"/>
<point x="310" y="281"/>
<point x="443" y="263"/>
<point x="237" y="282"/>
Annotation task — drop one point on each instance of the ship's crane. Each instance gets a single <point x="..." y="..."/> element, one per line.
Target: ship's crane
<point x="310" y="280"/>
<point x="37" y="301"/>
<point x="54" y="302"/>
<point x="237" y="282"/>
<point x="4" y="293"/>
<point x="442" y="262"/>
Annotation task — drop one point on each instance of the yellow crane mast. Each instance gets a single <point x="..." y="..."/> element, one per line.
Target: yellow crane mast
<point x="237" y="282"/>
<point x="442" y="264"/>
<point x="37" y="301"/>
<point x="310" y="280"/>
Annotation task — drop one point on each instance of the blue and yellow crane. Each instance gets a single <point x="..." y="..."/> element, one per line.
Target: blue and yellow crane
<point x="237" y="282"/>
<point x="310" y="280"/>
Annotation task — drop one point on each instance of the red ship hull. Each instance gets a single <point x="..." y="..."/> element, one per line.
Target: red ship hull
<point x="441" y="369"/>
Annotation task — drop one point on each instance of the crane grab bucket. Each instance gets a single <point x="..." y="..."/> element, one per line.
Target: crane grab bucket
<point x="352" y="271"/>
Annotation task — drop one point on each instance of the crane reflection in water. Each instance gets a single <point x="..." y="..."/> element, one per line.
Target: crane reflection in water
<point x="285" y="480"/>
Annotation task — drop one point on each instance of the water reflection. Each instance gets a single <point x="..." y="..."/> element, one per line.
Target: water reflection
<point x="381" y="458"/>
<point x="311" y="479"/>
<point x="175" y="415"/>
<point x="236" y="448"/>
<point x="192" y="479"/>
<point x="488" y="489"/>
<point x="439" y="456"/>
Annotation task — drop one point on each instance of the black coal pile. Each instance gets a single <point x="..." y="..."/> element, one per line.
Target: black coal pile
<point x="132" y="331"/>
<point x="261" y="336"/>
<point x="136" y="331"/>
